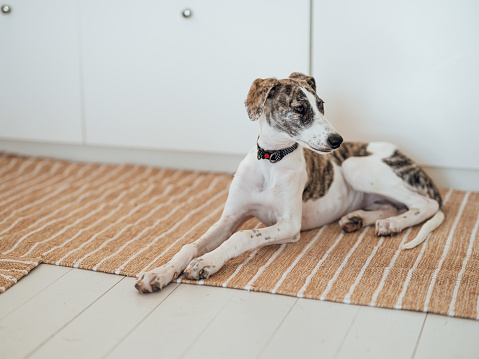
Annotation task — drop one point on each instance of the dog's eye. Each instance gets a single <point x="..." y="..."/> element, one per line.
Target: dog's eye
<point x="299" y="109"/>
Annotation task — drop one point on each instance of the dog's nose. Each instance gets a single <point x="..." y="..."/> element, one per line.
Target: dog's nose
<point x="335" y="140"/>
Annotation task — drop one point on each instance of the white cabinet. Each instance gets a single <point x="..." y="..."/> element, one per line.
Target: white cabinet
<point x="156" y="79"/>
<point x="402" y="71"/>
<point x="40" y="75"/>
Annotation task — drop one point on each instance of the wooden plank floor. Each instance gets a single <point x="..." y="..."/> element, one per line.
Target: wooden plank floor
<point x="58" y="312"/>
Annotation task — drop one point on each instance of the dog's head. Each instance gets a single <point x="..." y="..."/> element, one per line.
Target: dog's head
<point x="292" y="107"/>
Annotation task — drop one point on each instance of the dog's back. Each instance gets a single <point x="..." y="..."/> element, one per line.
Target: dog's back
<point x="321" y="173"/>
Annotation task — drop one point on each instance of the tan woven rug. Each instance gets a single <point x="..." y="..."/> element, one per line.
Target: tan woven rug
<point x="124" y="219"/>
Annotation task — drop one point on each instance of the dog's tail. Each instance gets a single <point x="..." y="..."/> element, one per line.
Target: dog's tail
<point x="426" y="229"/>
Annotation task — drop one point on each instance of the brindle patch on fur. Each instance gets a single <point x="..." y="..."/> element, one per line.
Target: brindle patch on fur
<point x="413" y="175"/>
<point x="257" y="95"/>
<point x="349" y="149"/>
<point x="320" y="167"/>
<point x="281" y="99"/>
<point x="320" y="175"/>
<point x="308" y="81"/>
<point x="280" y="108"/>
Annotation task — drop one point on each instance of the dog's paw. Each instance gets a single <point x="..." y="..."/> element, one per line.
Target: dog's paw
<point x="199" y="268"/>
<point x="155" y="279"/>
<point x="351" y="224"/>
<point x="386" y="227"/>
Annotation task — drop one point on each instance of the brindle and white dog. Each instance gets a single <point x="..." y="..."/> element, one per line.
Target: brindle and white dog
<point x="293" y="181"/>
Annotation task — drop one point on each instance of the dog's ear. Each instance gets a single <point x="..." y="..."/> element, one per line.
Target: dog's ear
<point x="257" y="95"/>
<point x="302" y="77"/>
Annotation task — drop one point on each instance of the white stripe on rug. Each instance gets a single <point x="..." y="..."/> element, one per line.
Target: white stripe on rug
<point x="218" y="195"/>
<point x="318" y="265"/>
<point x="444" y="253"/>
<point x="8" y="277"/>
<point x="105" y="194"/>
<point x="101" y="219"/>
<point x="238" y="268"/>
<point x="19" y="185"/>
<point x="346" y="259"/>
<point x="153" y="199"/>
<point x="463" y="268"/>
<point x="388" y="268"/>
<point x="297" y="259"/>
<point x="35" y="187"/>
<point x="117" y="270"/>
<point x="347" y="297"/>
<point x="18" y="261"/>
<point x="261" y="270"/>
<point x="6" y="168"/>
<point x="138" y="236"/>
<point x="398" y="304"/>
<point x="32" y="204"/>
<point x="74" y="194"/>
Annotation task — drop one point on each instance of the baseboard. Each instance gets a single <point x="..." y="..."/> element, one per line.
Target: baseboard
<point x="464" y="179"/>
<point x="88" y="153"/>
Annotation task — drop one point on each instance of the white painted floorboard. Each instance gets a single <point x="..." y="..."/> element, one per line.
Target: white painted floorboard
<point x="57" y="312"/>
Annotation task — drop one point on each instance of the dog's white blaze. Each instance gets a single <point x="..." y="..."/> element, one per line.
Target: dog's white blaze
<point x="317" y="135"/>
<point x="312" y="102"/>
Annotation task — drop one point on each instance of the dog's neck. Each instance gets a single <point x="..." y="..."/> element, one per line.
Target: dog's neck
<point x="271" y="139"/>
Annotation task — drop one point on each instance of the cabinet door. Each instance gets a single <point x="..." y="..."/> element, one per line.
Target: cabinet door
<point x="157" y="79"/>
<point x="40" y="73"/>
<point x="402" y="71"/>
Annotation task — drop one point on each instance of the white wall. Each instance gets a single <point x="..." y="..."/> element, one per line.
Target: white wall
<point x="402" y="71"/>
<point x="405" y="72"/>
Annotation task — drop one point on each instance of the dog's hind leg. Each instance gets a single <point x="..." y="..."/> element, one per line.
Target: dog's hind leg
<point x="356" y="220"/>
<point x="420" y="208"/>
<point x="371" y="175"/>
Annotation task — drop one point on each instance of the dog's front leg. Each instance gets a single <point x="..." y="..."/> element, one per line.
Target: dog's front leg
<point x="285" y="231"/>
<point x="158" y="278"/>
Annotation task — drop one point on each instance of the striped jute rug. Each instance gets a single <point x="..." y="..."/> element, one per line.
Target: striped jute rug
<point x="125" y="219"/>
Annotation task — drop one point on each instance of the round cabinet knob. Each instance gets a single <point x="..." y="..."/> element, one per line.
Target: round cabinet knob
<point x="187" y="13"/>
<point x="6" y="9"/>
